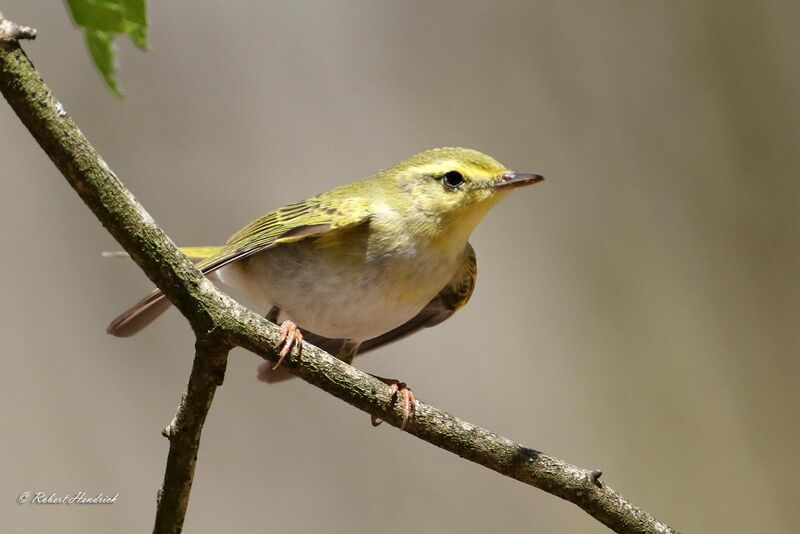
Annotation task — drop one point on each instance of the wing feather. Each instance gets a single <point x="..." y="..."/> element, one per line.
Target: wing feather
<point x="291" y="223"/>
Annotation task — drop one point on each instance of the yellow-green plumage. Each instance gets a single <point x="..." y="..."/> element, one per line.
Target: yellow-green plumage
<point x="367" y="262"/>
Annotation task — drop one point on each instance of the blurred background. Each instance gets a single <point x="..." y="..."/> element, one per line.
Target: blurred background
<point x="646" y="294"/>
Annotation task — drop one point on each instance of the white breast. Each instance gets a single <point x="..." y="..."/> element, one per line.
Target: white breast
<point x="365" y="299"/>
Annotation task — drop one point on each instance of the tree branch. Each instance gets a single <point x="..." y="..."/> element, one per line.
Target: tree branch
<point x="220" y="323"/>
<point x="183" y="433"/>
<point x="11" y="32"/>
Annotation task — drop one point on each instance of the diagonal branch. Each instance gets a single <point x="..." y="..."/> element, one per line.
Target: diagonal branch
<point x="220" y="323"/>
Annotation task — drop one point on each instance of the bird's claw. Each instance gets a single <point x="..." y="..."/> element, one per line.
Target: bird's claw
<point x="398" y="389"/>
<point x="290" y="337"/>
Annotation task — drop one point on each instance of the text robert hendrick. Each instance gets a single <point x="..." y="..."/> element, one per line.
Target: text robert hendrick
<point x="81" y="497"/>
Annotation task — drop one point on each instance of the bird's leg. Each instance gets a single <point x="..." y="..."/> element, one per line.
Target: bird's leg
<point x="264" y="368"/>
<point x="272" y="314"/>
<point x="400" y="389"/>
<point x="348" y="351"/>
<point x="290" y="337"/>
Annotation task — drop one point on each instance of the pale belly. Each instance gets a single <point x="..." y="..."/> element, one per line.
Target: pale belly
<point x="354" y="297"/>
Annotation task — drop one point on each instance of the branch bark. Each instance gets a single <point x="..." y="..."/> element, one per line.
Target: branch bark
<point x="183" y="433"/>
<point x="220" y="324"/>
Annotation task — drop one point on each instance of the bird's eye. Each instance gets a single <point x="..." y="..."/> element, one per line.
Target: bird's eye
<point x="452" y="179"/>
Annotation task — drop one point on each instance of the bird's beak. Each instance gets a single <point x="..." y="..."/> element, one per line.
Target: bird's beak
<point x="512" y="180"/>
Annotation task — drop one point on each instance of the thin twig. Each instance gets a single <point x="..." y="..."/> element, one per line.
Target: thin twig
<point x="221" y="323"/>
<point x="11" y="32"/>
<point x="183" y="433"/>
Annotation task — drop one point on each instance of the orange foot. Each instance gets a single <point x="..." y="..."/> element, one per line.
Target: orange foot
<point x="398" y="388"/>
<point x="290" y="337"/>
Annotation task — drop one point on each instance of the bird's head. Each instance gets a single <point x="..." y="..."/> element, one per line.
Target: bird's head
<point x="453" y="187"/>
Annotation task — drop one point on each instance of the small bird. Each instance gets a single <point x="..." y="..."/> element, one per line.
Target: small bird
<point x="362" y="265"/>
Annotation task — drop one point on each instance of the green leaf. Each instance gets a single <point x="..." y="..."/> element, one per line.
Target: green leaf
<point x="102" y="21"/>
<point x="104" y="54"/>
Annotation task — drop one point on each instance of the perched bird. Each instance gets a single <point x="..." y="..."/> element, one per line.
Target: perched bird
<point x="362" y="265"/>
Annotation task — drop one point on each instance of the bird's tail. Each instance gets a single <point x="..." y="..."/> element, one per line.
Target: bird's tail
<point x="149" y="308"/>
